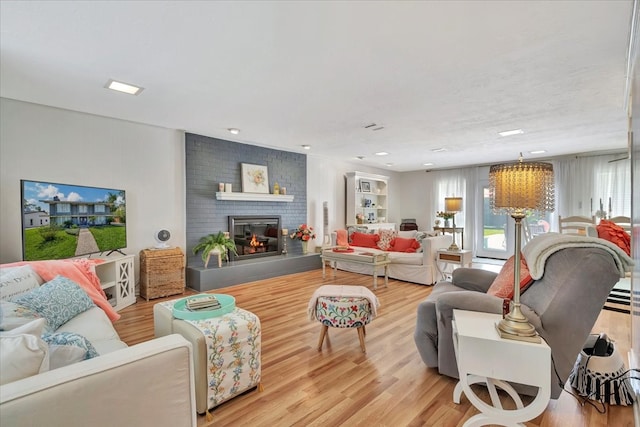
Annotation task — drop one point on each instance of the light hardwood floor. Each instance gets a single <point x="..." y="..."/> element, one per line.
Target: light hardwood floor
<point x="340" y="385"/>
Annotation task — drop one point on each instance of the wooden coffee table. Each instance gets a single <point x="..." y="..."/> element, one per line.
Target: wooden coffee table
<point x="369" y="258"/>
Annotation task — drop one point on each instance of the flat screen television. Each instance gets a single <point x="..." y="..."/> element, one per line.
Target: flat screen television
<point x="65" y="221"/>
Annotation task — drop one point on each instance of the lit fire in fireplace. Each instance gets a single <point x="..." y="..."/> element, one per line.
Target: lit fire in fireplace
<point x="255" y="244"/>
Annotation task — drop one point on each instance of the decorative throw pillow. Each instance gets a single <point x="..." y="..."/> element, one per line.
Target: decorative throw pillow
<point x="342" y="238"/>
<point x="615" y="234"/>
<point x="58" y="301"/>
<point x="353" y="229"/>
<point x="502" y="285"/>
<point x="400" y="244"/>
<point x="17" y="280"/>
<point x="13" y="315"/>
<point x="66" y="348"/>
<point x="420" y="236"/>
<point x="365" y="240"/>
<point x="22" y="352"/>
<point x="386" y="236"/>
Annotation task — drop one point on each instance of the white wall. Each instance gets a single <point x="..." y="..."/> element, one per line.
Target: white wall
<point x="50" y="144"/>
<point x="416" y="193"/>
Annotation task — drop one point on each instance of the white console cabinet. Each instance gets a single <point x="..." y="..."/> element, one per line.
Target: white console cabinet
<point x="117" y="278"/>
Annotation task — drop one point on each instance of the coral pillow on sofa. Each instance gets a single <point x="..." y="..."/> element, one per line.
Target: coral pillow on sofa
<point x="365" y="240"/>
<point x="615" y="234"/>
<point x="400" y="244"/>
<point x="502" y="285"/>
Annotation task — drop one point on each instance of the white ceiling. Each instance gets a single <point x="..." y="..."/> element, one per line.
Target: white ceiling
<point x="435" y="74"/>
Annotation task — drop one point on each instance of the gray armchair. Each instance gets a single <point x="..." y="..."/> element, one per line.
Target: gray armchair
<point x="562" y="305"/>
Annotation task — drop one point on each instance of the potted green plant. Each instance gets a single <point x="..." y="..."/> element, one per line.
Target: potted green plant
<point x="219" y="243"/>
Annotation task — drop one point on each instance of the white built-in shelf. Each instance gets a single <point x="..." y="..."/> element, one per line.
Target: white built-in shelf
<point x="254" y="197"/>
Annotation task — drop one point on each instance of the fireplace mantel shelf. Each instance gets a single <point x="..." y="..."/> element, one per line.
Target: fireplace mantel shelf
<point x="253" y="197"/>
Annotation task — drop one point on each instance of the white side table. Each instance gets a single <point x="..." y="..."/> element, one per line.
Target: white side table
<point x="483" y="356"/>
<point x="462" y="258"/>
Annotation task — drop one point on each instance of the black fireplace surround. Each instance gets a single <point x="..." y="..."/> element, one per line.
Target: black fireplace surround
<point x="255" y="236"/>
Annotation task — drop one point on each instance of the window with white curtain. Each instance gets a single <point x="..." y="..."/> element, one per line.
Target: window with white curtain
<point x="456" y="183"/>
<point x="582" y="183"/>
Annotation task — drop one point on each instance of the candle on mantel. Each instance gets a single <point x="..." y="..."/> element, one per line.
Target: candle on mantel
<point x="285" y="231"/>
<point x="609" y="204"/>
<point x="601" y="205"/>
<point x="591" y="205"/>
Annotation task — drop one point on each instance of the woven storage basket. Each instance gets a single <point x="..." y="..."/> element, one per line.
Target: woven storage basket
<point x="161" y="272"/>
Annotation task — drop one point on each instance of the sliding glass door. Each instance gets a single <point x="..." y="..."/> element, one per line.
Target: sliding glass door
<point x="494" y="234"/>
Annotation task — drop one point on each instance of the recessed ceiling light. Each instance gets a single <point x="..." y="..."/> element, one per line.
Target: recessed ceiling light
<point x="306" y="147"/>
<point x="381" y="153"/>
<point x="234" y="131"/>
<point x="439" y="150"/>
<point x="123" y="87"/>
<point x="389" y="164"/>
<point x="427" y="164"/>
<point x="537" y="152"/>
<point x="511" y="132"/>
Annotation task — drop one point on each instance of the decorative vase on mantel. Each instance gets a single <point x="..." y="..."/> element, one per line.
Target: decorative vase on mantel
<point x="305" y="247"/>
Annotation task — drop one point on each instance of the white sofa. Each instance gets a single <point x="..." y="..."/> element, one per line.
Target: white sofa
<point x="419" y="267"/>
<point x="121" y="386"/>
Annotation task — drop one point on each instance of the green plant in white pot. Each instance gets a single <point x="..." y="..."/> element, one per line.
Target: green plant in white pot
<point x="218" y="243"/>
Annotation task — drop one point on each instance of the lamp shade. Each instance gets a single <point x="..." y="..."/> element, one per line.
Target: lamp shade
<point x="520" y="186"/>
<point x="453" y="204"/>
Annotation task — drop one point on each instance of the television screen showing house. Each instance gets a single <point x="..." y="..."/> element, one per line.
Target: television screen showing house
<point x="66" y="221"/>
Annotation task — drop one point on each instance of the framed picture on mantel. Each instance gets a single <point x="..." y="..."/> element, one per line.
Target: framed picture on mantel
<point x="255" y="178"/>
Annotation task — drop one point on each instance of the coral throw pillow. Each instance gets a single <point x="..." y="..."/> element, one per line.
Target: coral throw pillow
<point x="342" y="238"/>
<point x="502" y="285"/>
<point x="365" y="240"/>
<point x="386" y="236"/>
<point x="615" y="234"/>
<point x="400" y="244"/>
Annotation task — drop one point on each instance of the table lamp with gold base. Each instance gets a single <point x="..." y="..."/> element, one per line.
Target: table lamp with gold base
<point x="453" y="205"/>
<point x="515" y="189"/>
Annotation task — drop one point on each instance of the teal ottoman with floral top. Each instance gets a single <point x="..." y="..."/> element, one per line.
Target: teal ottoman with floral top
<point x="341" y="306"/>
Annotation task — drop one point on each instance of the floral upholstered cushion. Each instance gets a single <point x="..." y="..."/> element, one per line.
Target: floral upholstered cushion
<point x="58" y="301"/>
<point x="343" y="312"/>
<point x="386" y="236"/>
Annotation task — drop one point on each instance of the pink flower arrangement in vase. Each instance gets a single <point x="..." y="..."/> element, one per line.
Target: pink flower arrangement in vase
<point x="304" y="233"/>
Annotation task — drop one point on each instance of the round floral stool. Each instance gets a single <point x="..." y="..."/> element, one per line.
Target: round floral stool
<point x="343" y="312"/>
